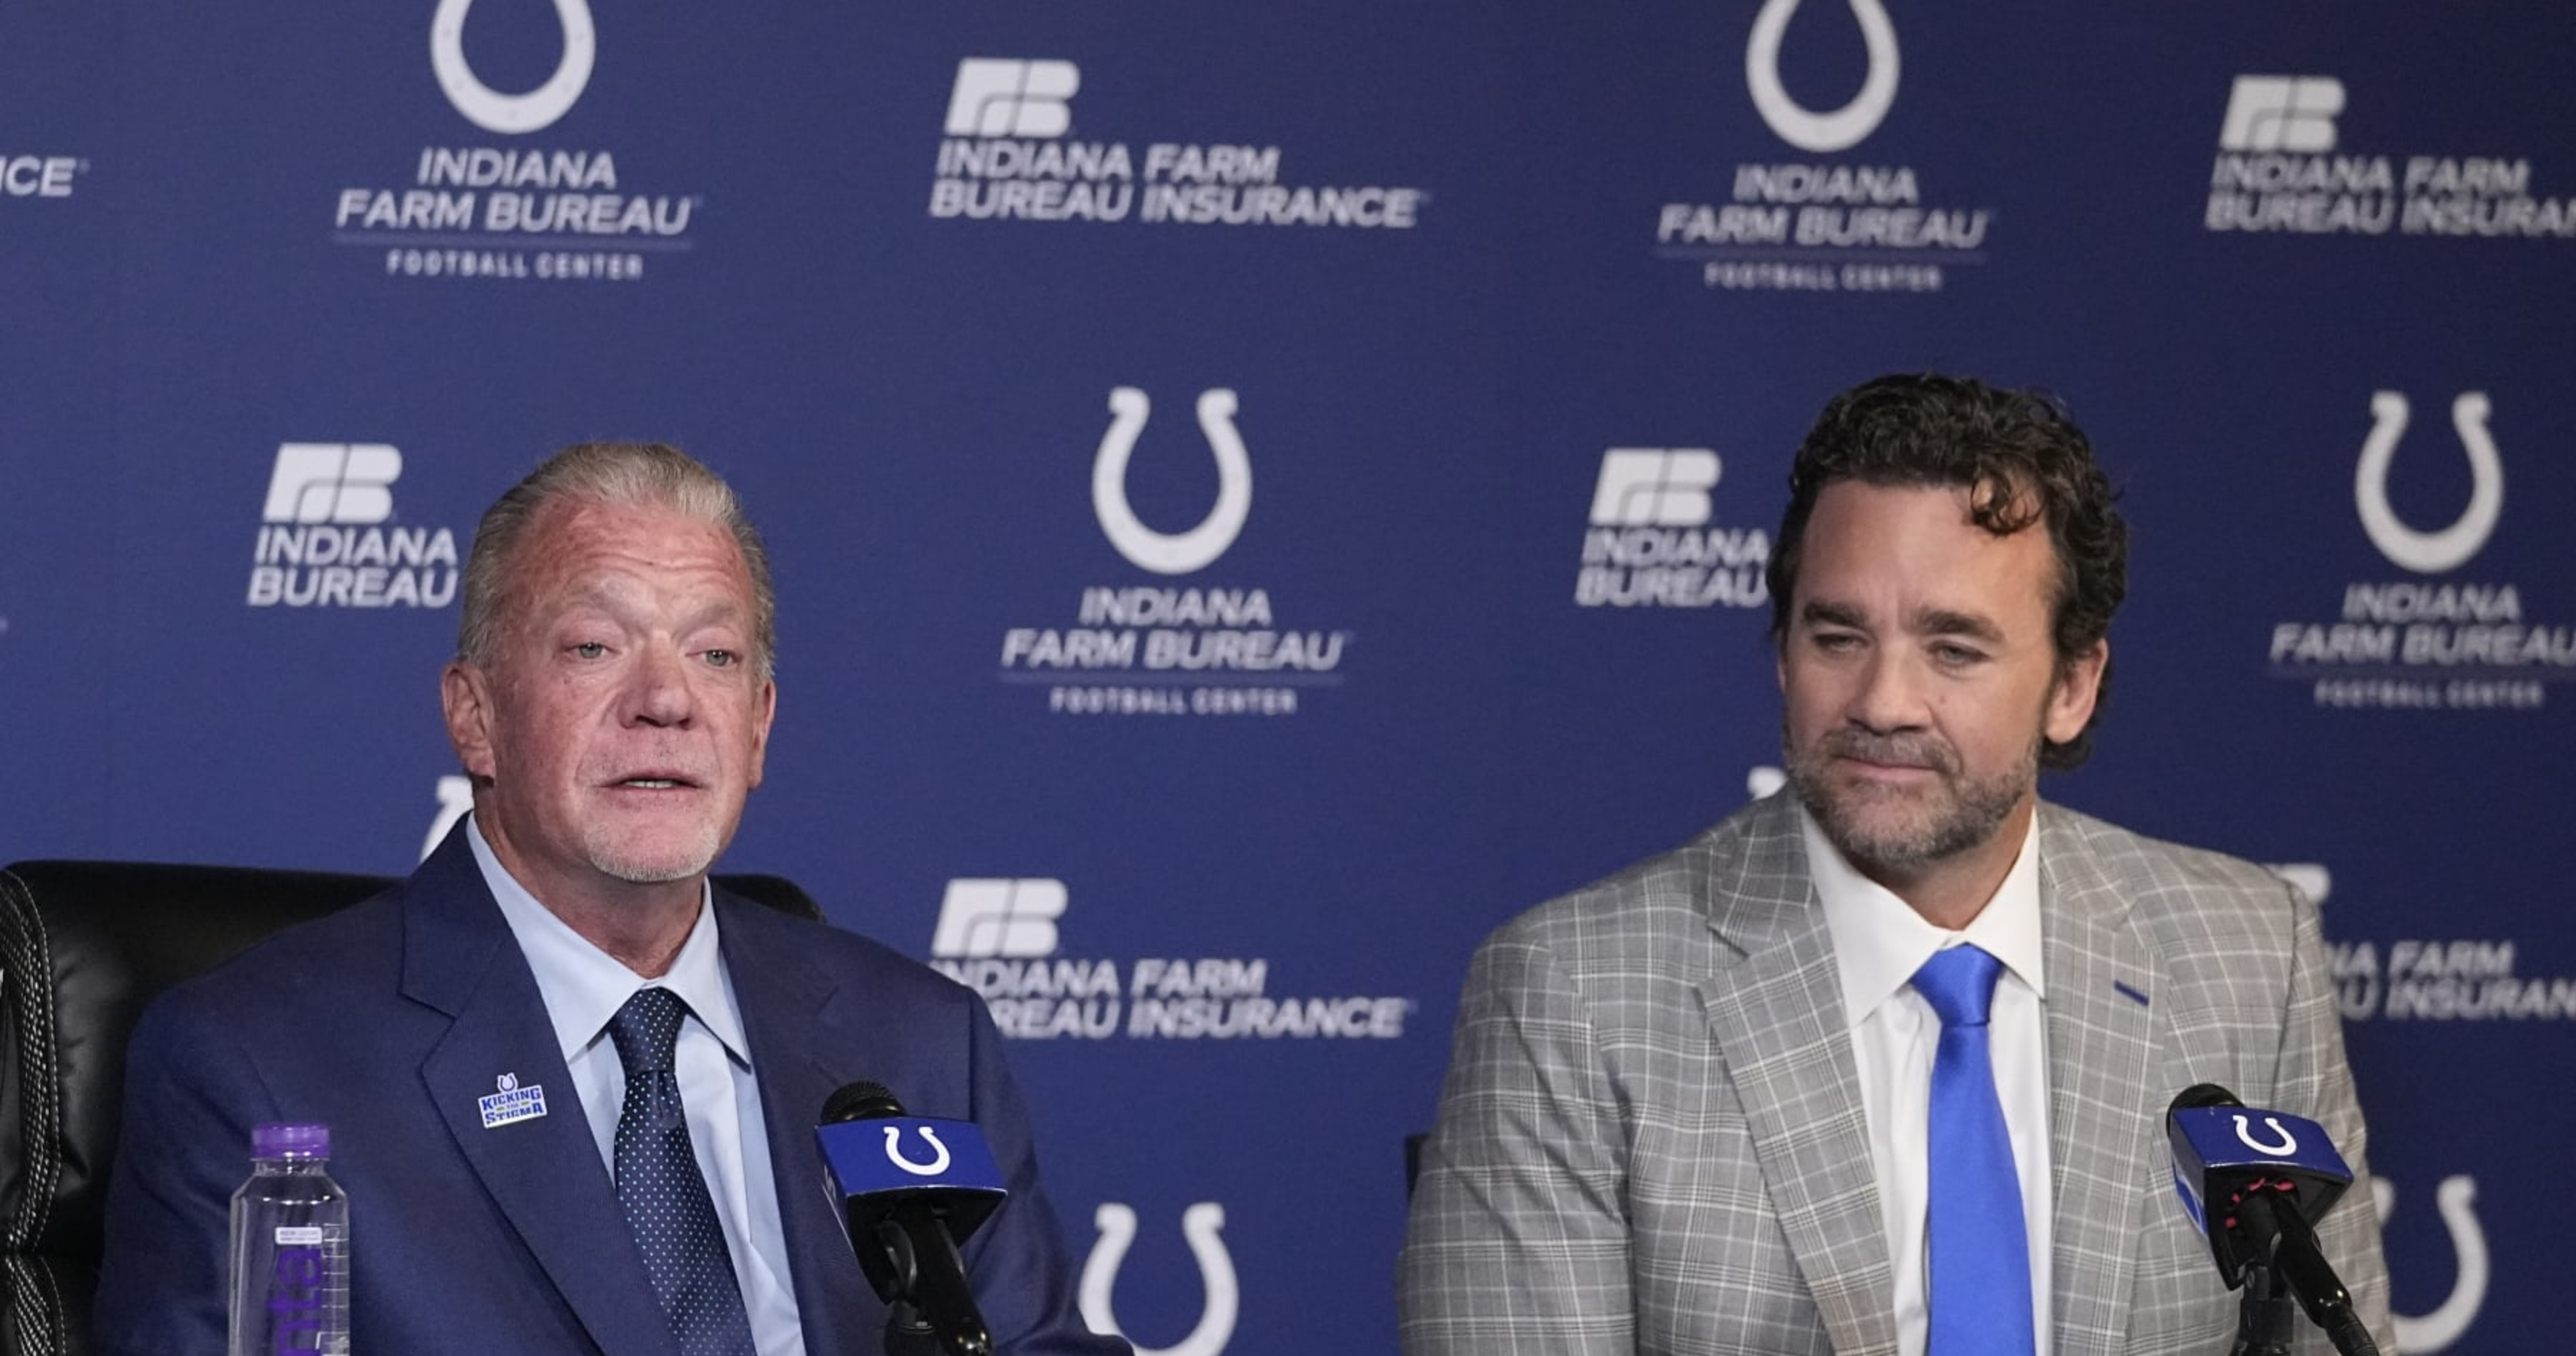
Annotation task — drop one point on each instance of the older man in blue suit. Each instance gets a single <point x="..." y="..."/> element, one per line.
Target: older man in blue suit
<point x="611" y="699"/>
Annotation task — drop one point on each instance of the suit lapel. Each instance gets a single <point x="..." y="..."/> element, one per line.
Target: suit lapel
<point x="543" y="1173"/>
<point x="790" y="1014"/>
<point x="2101" y="1034"/>
<point x="1777" y="1013"/>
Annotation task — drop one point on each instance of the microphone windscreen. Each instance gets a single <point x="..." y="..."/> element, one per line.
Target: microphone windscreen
<point x="2197" y="1095"/>
<point x="863" y="1100"/>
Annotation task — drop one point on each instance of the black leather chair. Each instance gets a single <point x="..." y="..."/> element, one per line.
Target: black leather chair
<point x="83" y="947"/>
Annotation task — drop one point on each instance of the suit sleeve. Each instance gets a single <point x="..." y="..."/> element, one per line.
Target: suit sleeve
<point x="1518" y="1236"/>
<point x="1022" y="1274"/>
<point x="2314" y="1081"/>
<point x="191" y="1097"/>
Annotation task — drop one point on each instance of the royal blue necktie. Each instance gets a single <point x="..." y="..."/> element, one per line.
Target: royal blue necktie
<point x="658" y="1183"/>
<point x="1979" y="1250"/>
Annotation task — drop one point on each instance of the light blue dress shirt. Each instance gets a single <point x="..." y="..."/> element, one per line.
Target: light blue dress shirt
<point x="583" y="987"/>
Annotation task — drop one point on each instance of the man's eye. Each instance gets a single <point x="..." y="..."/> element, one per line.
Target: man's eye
<point x="1956" y="654"/>
<point x="589" y="649"/>
<point x="723" y="659"/>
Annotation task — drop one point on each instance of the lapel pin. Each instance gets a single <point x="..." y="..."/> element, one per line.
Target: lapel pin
<point x="511" y="1102"/>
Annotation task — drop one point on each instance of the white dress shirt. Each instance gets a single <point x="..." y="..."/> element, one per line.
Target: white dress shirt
<point x="1879" y="942"/>
<point x="583" y="988"/>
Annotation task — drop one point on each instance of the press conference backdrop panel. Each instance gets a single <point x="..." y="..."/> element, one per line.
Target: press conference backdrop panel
<point x="1262" y="494"/>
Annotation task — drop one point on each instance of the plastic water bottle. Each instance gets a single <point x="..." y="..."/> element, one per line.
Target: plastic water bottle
<point x="290" y="1248"/>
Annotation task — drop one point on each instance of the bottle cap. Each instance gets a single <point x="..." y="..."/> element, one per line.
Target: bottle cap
<point x="302" y="1140"/>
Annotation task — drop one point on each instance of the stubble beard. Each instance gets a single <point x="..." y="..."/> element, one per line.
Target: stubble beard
<point x="1955" y="814"/>
<point x="660" y="863"/>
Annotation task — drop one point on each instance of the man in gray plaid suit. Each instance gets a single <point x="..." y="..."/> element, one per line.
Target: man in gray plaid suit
<point x="1687" y="1106"/>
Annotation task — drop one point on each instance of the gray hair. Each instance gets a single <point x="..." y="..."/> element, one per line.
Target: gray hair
<point x="618" y="475"/>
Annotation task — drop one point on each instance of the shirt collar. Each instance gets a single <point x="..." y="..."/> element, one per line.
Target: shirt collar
<point x="584" y="986"/>
<point x="1880" y="941"/>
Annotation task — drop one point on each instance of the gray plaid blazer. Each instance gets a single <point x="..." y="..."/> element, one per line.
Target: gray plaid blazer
<point x="1651" y="1136"/>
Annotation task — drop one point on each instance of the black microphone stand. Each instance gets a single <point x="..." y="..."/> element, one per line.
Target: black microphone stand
<point x="2289" y="1265"/>
<point x="2266" y="1317"/>
<point x="909" y="1331"/>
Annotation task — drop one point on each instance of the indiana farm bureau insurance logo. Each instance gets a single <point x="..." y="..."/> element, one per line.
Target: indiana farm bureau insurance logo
<point x="328" y="538"/>
<point x="1011" y="151"/>
<point x="2283" y="169"/>
<point x="1003" y="938"/>
<point x="1650" y="543"/>
<point x="26" y="178"/>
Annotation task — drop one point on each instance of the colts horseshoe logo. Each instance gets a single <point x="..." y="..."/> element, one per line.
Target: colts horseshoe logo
<point x="938" y="1158"/>
<point x="2428" y="552"/>
<point x="1846" y="126"/>
<point x="1202" y="1224"/>
<point x="2288" y="1144"/>
<point x="1199" y="547"/>
<point x="2456" y="1198"/>
<point x="512" y="114"/>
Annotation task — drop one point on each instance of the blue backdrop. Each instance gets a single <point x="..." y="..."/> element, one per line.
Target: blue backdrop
<point x="1261" y="495"/>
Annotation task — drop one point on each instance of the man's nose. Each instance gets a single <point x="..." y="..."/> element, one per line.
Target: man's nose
<point x="658" y="689"/>
<point x="1890" y="695"/>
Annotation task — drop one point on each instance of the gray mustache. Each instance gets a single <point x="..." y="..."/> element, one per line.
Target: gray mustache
<point x="1897" y="750"/>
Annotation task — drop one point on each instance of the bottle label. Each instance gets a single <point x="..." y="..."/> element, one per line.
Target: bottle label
<point x="298" y="1294"/>
<point x="299" y="1235"/>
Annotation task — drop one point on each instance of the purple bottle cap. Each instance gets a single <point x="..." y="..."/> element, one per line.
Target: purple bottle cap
<point x="301" y="1140"/>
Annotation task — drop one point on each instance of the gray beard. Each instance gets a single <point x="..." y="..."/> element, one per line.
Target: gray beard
<point x="1969" y="815"/>
<point x="698" y="858"/>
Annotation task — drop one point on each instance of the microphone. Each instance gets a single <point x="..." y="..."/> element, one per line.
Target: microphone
<point x="907" y="1189"/>
<point x="2255" y="1182"/>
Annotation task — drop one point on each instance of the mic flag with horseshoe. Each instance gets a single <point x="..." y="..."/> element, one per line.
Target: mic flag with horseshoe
<point x="908" y="1190"/>
<point x="2223" y="1147"/>
<point x="885" y="1161"/>
<point x="2256" y="1182"/>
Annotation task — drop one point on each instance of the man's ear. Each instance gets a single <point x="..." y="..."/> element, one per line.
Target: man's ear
<point x="465" y="694"/>
<point x="760" y="728"/>
<point x="2078" y="687"/>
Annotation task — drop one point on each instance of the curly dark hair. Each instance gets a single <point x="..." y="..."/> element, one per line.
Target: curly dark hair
<point x="2021" y="460"/>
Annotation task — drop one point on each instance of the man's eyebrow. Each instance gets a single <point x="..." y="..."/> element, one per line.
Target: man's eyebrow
<point x="1941" y="621"/>
<point x="717" y="611"/>
<point x="561" y="605"/>
<point x="1817" y="612"/>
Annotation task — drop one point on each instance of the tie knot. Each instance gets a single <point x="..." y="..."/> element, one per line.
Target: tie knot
<point x="1959" y="983"/>
<point x="647" y="1029"/>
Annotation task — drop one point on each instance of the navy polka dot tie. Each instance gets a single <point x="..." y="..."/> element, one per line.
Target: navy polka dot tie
<point x="666" y="1200"/>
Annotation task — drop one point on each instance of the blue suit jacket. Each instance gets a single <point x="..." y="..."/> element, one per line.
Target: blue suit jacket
<point x="389" y="1020"/>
